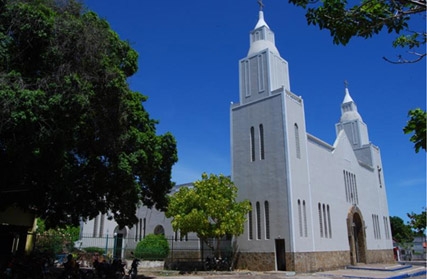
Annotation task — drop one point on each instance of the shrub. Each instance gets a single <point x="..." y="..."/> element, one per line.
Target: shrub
<point x="153" y="247"/>
<point x="94" y="250"/>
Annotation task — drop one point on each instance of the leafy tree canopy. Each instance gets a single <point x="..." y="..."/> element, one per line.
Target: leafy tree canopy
<point x="418" y="222"/>
<point x="401" y="232"/>
<point x="57" y="240"/>
<point x="74" y="139"/>
<point x="346" y="20"/>
<point x="209" y="208"/>
<point x="417" y="125"/>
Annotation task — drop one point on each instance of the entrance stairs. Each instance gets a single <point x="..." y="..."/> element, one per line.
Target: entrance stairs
<point x="380" y="271"/>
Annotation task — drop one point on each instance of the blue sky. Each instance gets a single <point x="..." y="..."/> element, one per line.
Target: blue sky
<point x="188" y="67"/>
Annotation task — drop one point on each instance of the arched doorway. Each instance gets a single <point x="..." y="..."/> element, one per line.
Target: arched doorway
<point x="159" y="230"/>
<point x="119" y="245"/>
<point x="356" y="236"/>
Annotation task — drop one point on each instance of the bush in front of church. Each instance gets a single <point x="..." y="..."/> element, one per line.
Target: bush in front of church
<point x="152" y="248"/>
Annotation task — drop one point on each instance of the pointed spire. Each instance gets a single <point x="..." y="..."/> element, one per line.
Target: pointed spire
<point x="262" y="37"/>
<point x="261" y="22"/>
<point x="348" y="107"/>
<point x="347" y="97"/>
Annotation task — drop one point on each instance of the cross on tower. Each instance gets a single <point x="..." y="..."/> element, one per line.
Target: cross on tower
<point x="261" y="5"/>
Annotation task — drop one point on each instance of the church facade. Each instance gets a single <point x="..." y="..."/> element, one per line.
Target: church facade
<point x="315" y="206"/>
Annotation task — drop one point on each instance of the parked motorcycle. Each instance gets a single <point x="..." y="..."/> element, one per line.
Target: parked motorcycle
<point x="133" y="272"/>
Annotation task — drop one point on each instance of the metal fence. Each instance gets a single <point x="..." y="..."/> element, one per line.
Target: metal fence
<point x="180" y="249"/>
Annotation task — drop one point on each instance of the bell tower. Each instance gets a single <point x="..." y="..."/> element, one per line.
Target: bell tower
<point x="262" y="71"/>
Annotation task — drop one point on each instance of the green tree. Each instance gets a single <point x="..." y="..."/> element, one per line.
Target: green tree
<point x="418" y="222"/>
<point x="401" y="232"/>
<point x="74" y="139"/>
<point x="57" y="240"/>
<point x="368" y="18"/>
<point x="417" y="125"/>
<point x="208" y="209"/>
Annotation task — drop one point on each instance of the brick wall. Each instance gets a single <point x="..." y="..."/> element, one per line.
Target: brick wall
<point x="308" y="261"/>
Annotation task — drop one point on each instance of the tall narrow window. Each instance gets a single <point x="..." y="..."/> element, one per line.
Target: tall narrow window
<point x="258" y="220"/>
<point x="261" y="74"/>
<point x="101" y="225"/>
<point x="386" y="228"/>
<point x="261" y="141"/>
<point x="145" y="228"/>
<point x="379" y="176"/>
<point x="319" y="207"/>
<point x="250" y="225"/>
<point x="297" y="141"/>
<point x="329" y="221"/>
<point x="378" y="225"/>
<point x="300" y="218"/>
<point x="95" y="226"/>
<point x="346" y="186"/>
<point x="137" y="226"/>
<point x="325" y="221"/>
<point x="252" y="144"/>
<point x="355" y="189"/>
<point x="267" y="220"/>
<point x="246" y="81"/>
<point x="304" y="212"/>
<point x="350" y="187"/>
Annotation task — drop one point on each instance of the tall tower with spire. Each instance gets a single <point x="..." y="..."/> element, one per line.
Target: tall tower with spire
<point x="262" y="71"/>
<point x="314" y="205"/>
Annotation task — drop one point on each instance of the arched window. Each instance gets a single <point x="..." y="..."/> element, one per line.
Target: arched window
<point x="304" y="211"/>
<point x="101" y="225"/>
<point x="329" y="221"/>
<point x="267" y="220"/>
<point x="261" y="141"/>
<point x="252" y="147"/>
<point x="261" y="73"/>
<point x="250" y="225"/>
<point x="325" y="221"/>
<point x="258" y="220"/>
<point x="297" y="141"/>
<point x="319" y="207"/>
<point x="95" y="226"/>
<point x="299" y="218"/>
<point x="159" y="230"/>
<point x="136" y="229"/>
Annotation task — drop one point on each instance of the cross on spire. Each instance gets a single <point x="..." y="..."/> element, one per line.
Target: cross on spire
<point x="261" y="5"/>
<point x="346" y="83"/>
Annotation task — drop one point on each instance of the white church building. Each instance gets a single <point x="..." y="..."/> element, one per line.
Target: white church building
<point x="315" y="206"/>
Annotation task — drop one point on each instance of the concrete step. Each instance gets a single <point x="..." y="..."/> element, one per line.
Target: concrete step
<point x="392" y="271"/>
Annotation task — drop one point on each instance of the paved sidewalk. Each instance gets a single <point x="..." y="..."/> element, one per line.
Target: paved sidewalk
<point x="396" y="271"/>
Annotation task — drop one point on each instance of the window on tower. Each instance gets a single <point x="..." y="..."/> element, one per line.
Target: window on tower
<point x="261" y="141"/>
<point x="297" y="142"/>
<point x="252" y="143"/>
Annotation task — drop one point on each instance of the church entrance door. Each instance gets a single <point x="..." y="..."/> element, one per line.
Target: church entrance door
<point x="280" y="254"/>
<point x="356" y="236"/>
